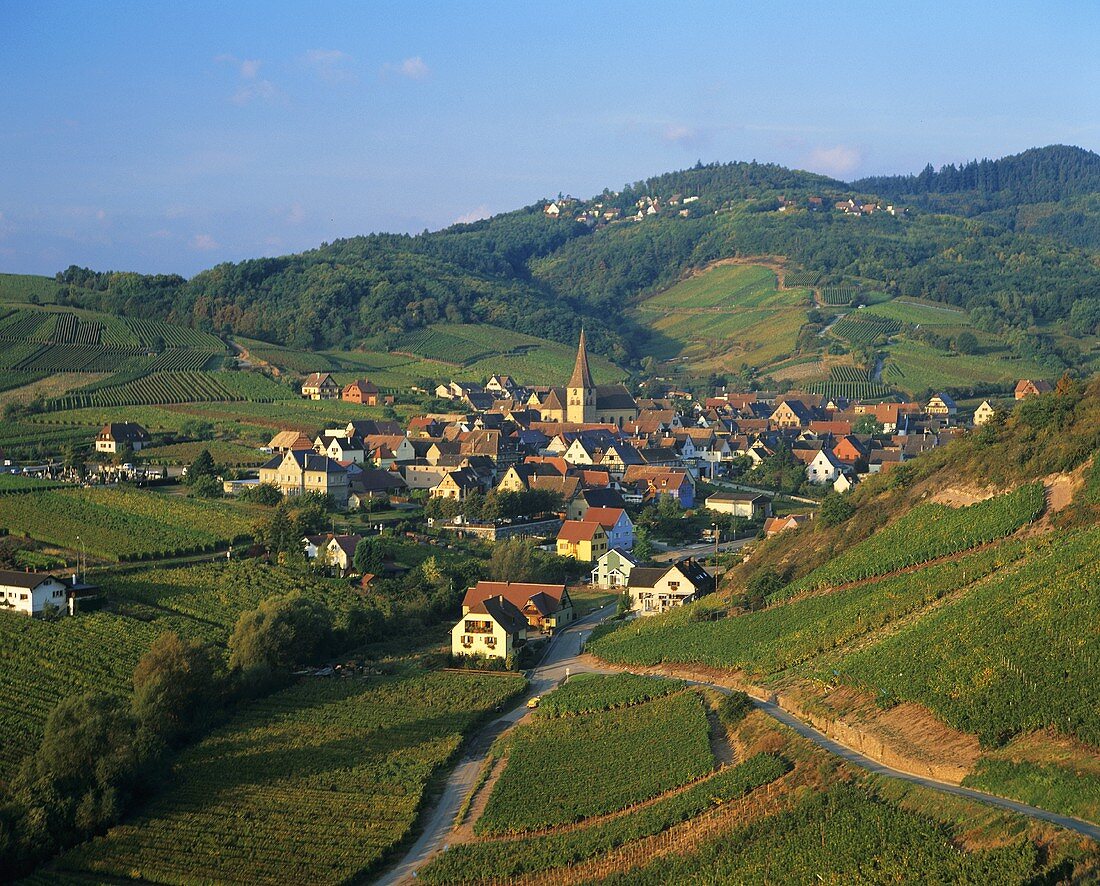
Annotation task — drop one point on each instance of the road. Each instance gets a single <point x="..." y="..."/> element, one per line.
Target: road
<point x="561" y="660"/>
<point x="701" y="551"/>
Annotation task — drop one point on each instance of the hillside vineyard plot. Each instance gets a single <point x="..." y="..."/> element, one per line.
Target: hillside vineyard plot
<point x="1042" y="618"/>
<point x="315" y="784"/>
<point x="500" y="860"/>
<point x="589" y="693"/>
<point x="591" y="774"/>
<point x="118" y="524"/>
<point x="925" y="533"/>
<point x="780" y="637"/>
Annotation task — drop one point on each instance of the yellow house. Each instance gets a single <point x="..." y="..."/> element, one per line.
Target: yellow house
<point x="320" y="386"/>
<point x="493" y="628"/>
<point x="582" y="540"/>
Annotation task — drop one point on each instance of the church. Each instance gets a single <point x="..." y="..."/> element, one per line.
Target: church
<point x="583" y="402"/>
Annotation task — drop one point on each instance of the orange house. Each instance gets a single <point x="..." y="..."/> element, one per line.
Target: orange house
<point x="361" y="391"/>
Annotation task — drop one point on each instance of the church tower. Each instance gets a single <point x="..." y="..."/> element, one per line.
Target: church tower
<point x="580" y="403"/>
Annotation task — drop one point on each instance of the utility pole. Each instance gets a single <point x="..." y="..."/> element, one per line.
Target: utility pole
<point x="714" y="528"/>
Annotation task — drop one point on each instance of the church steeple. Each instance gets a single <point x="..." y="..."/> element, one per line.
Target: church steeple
<point x="581" y="377"/>
<point x="580" y="406"/>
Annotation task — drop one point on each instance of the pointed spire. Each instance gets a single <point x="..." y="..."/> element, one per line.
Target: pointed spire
<point x="581" y="377"/>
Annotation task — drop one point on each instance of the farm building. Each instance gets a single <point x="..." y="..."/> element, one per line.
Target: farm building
<point x="117" y="435"/>
<point x="493" y="628"/>
<point x="545" y="606"/>
<point x="320" y="386"/>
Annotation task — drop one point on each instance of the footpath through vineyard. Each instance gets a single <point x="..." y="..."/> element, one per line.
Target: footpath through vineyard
<point x="564" y="658"/>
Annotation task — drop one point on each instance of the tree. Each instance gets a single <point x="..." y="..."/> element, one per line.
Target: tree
<point x="643" y="547"/>
<point x="368" y="556"/>
<point x="174" y="685"/>
<point x="206" y="487"/>
<point x="867" y="424"/>
<point x="202" y="466"/>
<point x="282" y="633"/>
<point x="513" y="560"/>
<point x="262" y="494"/>
<point x="760" y="586"/>
<point x="966" y="343"/>
<point x="835" y="508"/>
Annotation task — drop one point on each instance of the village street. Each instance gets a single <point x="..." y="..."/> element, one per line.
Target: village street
<point x="562" y="659"/>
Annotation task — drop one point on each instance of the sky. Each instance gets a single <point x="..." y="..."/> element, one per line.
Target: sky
<point x="169" y="137"/>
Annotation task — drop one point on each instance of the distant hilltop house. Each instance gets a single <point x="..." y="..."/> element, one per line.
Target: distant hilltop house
<point x="320" y="386"/>
<point x="775" y="525"/>
<point x="494" y="628"/>
<point x="116" y="436"/>
<point x="360" y="391"/>
<point x="297" y="472"/>
<point x="1027" y="387"/>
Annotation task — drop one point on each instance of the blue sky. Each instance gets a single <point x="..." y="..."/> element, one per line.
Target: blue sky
<point x="173" y="136"/>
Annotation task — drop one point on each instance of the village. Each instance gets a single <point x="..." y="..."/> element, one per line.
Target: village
<point x="569" y="468"/>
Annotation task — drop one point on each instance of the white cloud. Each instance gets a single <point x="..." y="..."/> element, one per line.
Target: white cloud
<point x="203" y="242"/>
<point x="684" y="135"/>
<point x="838" y="161"/>
<point x="295" y="215"/>
<point x="476" y="214"/>
<point x="248" y="68"/>
<point x="414" y="68"/>
<point x="330" y="64"/>
<point x="264" y="90"/>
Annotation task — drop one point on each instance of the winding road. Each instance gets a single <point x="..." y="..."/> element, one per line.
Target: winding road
<point x="562" y="658"/>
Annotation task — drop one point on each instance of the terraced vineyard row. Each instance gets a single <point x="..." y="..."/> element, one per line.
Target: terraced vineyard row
<point x="864" y="329"/>
<point x="505" y="860"/>
<point x="173" y="387"/>
<point x="152" y="331"/>
<point x="586" y="754"/>
<point x="1040" y="618"/>
<point x="925" y="533"/>
<point x="76" y="358"/>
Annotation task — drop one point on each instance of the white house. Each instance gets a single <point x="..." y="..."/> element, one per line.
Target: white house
<point x="824" y="468"/>
<point x="613" y="569"/>
<point x="493" y="628"/>
<point x="30" y="592"/>
<point x="657" y="589"/>
<point x="750" y="505"/>
<point x="983" y="413"/>
<point x="117" y="435"/>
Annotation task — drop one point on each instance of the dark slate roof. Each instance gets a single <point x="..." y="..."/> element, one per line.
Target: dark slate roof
<point x="311" y="461"/>
<point x="30" y="580"/>
<point x="503" y="613"/>
<point x="603" y="497"/>
<point x="614" y="397"/>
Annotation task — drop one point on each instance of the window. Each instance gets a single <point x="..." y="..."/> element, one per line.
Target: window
<point x="674" y="585"/>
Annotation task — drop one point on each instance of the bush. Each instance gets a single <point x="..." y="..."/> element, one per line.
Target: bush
<point x="282" y="633"/>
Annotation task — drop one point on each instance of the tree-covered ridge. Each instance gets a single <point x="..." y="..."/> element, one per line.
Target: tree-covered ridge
<point x="547" y="276"/>
<point x="1038" y="175"/>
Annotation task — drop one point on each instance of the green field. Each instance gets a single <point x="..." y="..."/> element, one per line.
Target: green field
<point x="126" y="524"/>
<point x="918" y="314"/>
<point x="921" y="367"/>
<point x="568" y="768"/>
<point x="727" y="286"/>
<point x="723" y="317"/>
<point x="223" y="453"/>
<point x="315" y="784"/>
<point x="589" y="693"/>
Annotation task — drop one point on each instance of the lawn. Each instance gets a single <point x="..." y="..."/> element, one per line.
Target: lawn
<point x="918" y="314"/>
<point x="726" y="286"/>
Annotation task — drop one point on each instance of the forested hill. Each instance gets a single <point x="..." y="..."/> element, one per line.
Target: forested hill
<point x="1039" y="175"/>
<point x="547" y="276"/>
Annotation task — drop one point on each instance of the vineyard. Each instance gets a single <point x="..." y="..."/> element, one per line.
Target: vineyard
<point x="850" y="383"/>
<point x="865" y="329"/>
<point x="215" y="594"/>
<point x="1019" y="653"/>
<point x="589" y="693"/>
<point x="780" y="637"/>
<point x="579" y="767"/>
<point x="315" y="784"/>
<point x="503" y="860"/>
<point x="140" y="389"/>
<point x="435" y="344"/>
<point x="801" y="279"/>
<point x="839" y="296"/>
<point x="42" y="662"/>
<point x="846" y="835"/>
<point x="925" y="533"/>
<point x="118" y="524"/>
<point x="68" y="328"/>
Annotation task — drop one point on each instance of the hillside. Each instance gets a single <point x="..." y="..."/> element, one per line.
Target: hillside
<point x="913" y="625"/>
<point x="546" y="276"/>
